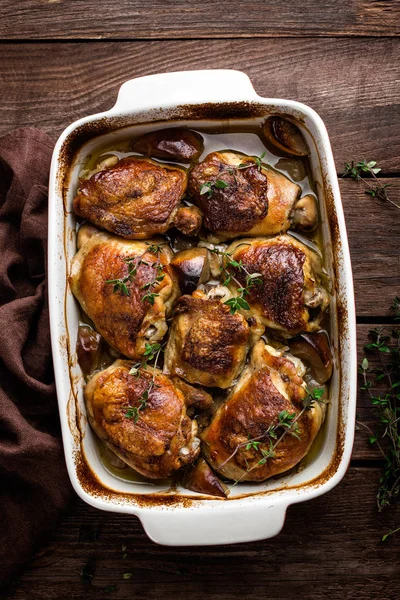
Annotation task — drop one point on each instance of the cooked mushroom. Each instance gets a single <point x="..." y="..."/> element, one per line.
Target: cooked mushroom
<point x="192" y="267"/>
<point x="88" y="349"/>
<point x="314" y="349"/>
<point x="200" y="478"/>
<point x="188" y="220"/>
<point x="175" y="144"/>
<point x="85" y="233"/>
<point x="284" y="136"/>
<point x="305" y="214"/>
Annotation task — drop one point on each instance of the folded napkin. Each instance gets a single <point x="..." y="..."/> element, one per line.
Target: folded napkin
<point x="34" y="486"/>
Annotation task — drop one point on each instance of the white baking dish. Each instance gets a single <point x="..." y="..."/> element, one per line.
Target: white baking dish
<point x="180" y="517"/>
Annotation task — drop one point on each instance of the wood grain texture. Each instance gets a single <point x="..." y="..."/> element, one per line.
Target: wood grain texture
<point x="158" y="19"/>
<point x="51" y="85"/>
<point x="329" y="548"/>
<point x="373" y="229"/>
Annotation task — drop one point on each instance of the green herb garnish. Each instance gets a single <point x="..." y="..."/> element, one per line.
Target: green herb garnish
<point x="385" y="344"/>
<point x="257" y="160"/>
<point x="209" y="187"/>
<point x="358" y="170"/>
<point x="287" y="425"/>
<point x="151" y="352"/>
<point x="237" y="302"/>
<point x="120" y="285"/>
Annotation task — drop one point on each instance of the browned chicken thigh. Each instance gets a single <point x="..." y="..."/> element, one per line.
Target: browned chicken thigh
<point x="136" y="198"/>
<point x="241" y="196"/>
<point x="125" y="287"/>
<point x="288" y="295"/>
<point x="143" y="419"/>
<point x="243" y="441"/>
<point x="207" y="344"/>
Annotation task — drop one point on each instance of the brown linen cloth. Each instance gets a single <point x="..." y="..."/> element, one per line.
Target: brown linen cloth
<point x="34" y="485"/>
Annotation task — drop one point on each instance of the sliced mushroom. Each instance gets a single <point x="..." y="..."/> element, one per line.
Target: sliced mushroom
<point x="305" y="213"/>
<point x="285" y="137"/>
<point x="200" y="478"/>
<point x="192" y="267"/>
<point x="175" y="144"/>
<point x="88" y="349"/>
<point x="314" y="349"/>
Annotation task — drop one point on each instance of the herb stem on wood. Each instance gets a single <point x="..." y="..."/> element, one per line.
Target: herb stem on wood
<point x="382" y="384"/>
<point x="357" y="170"/>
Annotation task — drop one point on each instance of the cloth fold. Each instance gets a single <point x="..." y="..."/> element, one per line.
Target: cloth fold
<point x="34" y="485"/>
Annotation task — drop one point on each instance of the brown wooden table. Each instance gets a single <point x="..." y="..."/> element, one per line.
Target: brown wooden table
<point x="61" y="60"/>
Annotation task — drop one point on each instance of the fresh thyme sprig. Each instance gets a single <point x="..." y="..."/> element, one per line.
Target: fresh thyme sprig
<point x="385" y="344"/>
<point x="252" y="279"/>
<point x="209" y="187"/>
<point x="257" y="160"/>
<point x="120" y="285"/>
<point x="357" y="171"/>
<point x="287" y="424"/>
<point x="152" y="351"/>
<point x="150" y="295"/>
<point x="155" y="248"/>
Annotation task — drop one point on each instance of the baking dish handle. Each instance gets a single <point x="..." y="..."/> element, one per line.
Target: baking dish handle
<point x="225" y="523"/>
<point x="169" y="90"/>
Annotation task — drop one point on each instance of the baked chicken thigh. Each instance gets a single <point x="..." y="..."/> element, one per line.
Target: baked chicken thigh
<point x="143" y="419"/>
<point x="244" y="440"/>
<point x="125" y="287"/>
<point x="207" y="344"/>
<point x="137" y="198"/>
<point x="239" y="195"/>
<point x="288" y="295"/>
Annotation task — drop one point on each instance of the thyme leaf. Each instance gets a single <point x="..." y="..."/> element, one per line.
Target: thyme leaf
<point x="209" y="187"/>
<point x="287" y="424"/>
<point x="237" y="302"/>
<point x="257" y="160"/>
<point x="151" y="352"/>
<point x="358" y="170"/>
<point x="382" y="385"/>
<point x="120" y="285"/>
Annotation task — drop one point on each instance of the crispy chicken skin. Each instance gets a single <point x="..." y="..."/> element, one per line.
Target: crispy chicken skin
<point x="163" y="439"/>
<point x="126" y="322"/>
<point x="289" y="284"/>
<point x="256" y="200"/>
<point x="237" y="207"/>
<point x="136" y="198"/>
<point x="272" y="382"/>
<point x="207" y="344"/>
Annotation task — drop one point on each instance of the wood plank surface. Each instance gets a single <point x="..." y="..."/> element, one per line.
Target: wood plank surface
<point x="373" y="229"/>
<point x="132" y="19"/>
<point x="51" y="85"/>
<point x="329" y="548"/>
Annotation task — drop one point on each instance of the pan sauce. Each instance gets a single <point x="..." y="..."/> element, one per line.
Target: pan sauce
<point x="250" y="142"/>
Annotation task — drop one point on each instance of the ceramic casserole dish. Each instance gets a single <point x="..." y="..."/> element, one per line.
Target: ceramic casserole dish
<point x="214" y="98"/>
